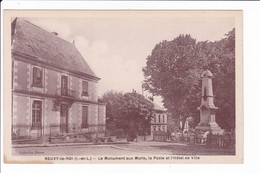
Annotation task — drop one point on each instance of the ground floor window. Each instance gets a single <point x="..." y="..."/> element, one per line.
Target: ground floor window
<point x="163" y="128"/>
<point x="36" y="114"/>
<point x="84" y="117"/>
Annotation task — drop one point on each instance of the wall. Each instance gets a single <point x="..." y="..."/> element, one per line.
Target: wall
<point x="93" y="117"/>
<point x="21" y="75"/>
<point x="21" y="115"/>
<point x="51" y="81"/>
<point x="22" y="79"/>
<point x="50" y="118"/>
<point x="92" y="91"/>
<point x="75" y="85"/>
<point x="102" y="118"/>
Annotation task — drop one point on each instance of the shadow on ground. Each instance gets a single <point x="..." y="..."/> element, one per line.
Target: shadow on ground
<point x="194" y="150"/>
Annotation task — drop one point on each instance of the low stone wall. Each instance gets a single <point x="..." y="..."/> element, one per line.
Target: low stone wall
<point x="159" y="136"/>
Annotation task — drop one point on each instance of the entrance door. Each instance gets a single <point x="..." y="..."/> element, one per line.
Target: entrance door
<point x="64" y="85"/>
<point x="64" y="118"/>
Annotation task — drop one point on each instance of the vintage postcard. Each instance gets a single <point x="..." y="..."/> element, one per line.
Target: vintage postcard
<point x="156" y="86"/>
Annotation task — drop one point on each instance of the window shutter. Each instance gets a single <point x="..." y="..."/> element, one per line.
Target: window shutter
<point x="163" y="118"/>
<point x="40" y="107"/>
<point x="40" y="77"/>
<point x="84" y="116"/>
<point x="85" y="88"/>
<point x="38" y="73"/>
<point x="34" y="75"/>
<point x="37" y="77"/>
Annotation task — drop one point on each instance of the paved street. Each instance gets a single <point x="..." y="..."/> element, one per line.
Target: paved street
<point x="134" y="148"/>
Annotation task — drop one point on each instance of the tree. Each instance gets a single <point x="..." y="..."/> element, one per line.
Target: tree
<point x="173" y="71"/>
<point x="114" y="108"/>
<point x="131" y="111"/>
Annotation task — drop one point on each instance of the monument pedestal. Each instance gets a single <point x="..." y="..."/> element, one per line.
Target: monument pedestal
<point x="207" y="108"/>
<point x="211" y="127"/>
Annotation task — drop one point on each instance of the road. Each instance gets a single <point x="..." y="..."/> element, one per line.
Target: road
<point x="134" y="148"/>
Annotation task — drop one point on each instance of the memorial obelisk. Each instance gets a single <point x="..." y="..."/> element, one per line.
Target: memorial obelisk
<point x="207" y="108"/>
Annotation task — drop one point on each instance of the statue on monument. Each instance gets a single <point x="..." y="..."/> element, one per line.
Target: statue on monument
<point x="207" y="108"/>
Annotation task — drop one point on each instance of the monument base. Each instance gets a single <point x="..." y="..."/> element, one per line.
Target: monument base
<point x="211" y="127"/>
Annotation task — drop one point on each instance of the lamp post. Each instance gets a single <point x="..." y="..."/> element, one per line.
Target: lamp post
<point x="114" y="126"/>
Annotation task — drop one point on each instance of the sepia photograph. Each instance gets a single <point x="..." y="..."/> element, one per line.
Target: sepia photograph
<point x="123" y="86"/>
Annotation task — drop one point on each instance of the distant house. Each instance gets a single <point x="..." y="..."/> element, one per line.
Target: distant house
<point x="159" y="121"/>
<point x="54" y="91"/>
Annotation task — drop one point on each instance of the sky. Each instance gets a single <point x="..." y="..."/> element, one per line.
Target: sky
<point x="116" y="45"/>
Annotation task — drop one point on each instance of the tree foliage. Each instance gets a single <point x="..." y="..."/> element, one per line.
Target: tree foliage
<point x="130" y="112"/>
<point x="173" y="71"/>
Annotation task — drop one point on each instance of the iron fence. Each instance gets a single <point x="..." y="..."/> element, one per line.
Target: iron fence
<point x="23" y="133"/>
<point x="66" y="92"/>
<point x="75" y="132"/>
<point x="26" y="133"/>
<point x="62" y="129"/>
<point x="226" y="140"/>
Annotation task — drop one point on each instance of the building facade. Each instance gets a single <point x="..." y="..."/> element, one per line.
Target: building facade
<point x="159" y="120"/>
<point x="54" y="91"/>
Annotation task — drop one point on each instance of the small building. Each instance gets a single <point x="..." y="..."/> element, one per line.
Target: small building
<point x="159" y="123"/>
<point x="54" y="90"/>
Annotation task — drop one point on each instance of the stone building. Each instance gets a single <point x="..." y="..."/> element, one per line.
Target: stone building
<point x="159" y="120"/>
<point x="54" y="91"/>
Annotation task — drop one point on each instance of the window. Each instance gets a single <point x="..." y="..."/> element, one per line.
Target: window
<point x="36" y="114"/>
<point x="64" y="85"/>
<point x="84" y="88"/>
<point x="84" y="117"/>
<point x="37" y="77"/>
<point x="163" y="118"/>
<point x="159" y="118"/>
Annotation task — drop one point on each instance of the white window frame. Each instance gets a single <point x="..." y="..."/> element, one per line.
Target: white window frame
<point x="42" y="108"/>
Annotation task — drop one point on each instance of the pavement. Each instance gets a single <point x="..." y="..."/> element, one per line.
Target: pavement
<point x="109" y="148"/>
<point x="120" y="148"/>
<point x="64" y="144"/>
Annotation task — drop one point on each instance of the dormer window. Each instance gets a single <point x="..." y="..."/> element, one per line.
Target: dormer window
<point x="84" y="88"/>
<point x="37" y="77"/>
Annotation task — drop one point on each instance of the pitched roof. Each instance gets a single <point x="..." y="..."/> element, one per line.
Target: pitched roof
<point x="158" y="108"/>
<point x="31" y="40"/>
